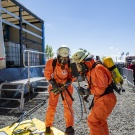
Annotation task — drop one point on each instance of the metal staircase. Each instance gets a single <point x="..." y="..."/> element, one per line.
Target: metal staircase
<point x="19" y="86"/>
<point x="36" y="84"/>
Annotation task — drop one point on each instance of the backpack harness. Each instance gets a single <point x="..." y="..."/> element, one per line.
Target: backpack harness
<point x="109" y="89"/>
<point x="54" y="65"/>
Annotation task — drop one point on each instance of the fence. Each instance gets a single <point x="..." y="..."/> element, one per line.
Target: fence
<point x="128" y="75"/>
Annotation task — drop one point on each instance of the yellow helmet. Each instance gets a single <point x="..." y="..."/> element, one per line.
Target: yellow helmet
<point x="80" y="55"/>
<point x="63" y="51"/>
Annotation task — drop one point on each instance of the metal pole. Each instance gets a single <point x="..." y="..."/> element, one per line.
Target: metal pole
<point x="2" y="47"/>
<point x="43" y="43"/>
<point x="20" y="35"/>
<point x="29" y="73"/>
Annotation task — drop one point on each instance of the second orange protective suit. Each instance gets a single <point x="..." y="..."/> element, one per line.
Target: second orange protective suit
<point x="99" y="79"/>
<point x="61" y="76"/>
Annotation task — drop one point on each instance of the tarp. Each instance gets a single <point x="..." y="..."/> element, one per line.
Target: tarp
<point x="39" y="126"/>
<point x="12" y="74"/>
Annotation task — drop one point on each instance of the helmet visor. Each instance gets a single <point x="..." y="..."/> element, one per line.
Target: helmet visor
<point x="63" y="52"/>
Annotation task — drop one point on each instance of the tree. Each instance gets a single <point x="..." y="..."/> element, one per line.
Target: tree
<point x="49" y="52"/>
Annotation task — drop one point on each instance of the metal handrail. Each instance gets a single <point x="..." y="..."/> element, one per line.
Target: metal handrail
<point x="30" y="51"/>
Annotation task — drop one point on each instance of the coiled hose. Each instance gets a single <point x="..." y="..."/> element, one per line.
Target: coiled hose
<point x="77" y="120"/>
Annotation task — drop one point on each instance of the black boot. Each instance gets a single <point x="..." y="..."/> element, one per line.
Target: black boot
<point x="70" y="131"/>
<point x="48" y="130"/>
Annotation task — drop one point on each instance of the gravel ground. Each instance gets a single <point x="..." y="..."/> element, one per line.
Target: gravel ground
<point x="121" y="121"/>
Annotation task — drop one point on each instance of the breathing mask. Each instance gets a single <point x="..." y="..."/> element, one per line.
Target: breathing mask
<point x="83" y="68"/>
<point x="63" y="60"/>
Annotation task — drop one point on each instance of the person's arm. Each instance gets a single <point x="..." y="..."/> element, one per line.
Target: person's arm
<point x="48" y="70"/>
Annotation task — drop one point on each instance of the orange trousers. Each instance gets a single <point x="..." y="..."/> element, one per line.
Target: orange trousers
<point x="97" y="119"/>
<point x="52" y="104"/>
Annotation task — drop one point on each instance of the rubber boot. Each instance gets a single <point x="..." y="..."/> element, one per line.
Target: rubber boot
<point x="69" y="131"/>
<point x="48" y="130"/>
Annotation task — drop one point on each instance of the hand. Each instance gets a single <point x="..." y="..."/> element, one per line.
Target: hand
<point x="68" y="82"/>
<point x="53" y="83"/>
<point x="85" y="98"/>
<point x="58" y="90"/>
<point x="55" y="90"/>
<point x="87" y="91"/>
<point x="83" y="91"/>
<point x="66" y="85"/>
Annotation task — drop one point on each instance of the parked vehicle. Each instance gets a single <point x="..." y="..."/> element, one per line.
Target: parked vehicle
<point x="22" y="48"/>
<point x="20" y="30"/>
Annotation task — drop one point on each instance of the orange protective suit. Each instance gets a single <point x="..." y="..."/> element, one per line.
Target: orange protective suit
<point x="60" y="76"/>
<point x="99" y="78"/>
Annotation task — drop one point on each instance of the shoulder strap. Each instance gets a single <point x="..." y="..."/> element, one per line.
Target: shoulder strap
<point x="54" y="63"/>
<point x="69" y="63"/>
<point x="95" y="64"/>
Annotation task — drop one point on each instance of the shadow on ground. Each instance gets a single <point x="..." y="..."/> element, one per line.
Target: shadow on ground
<point x="32" y="103"/>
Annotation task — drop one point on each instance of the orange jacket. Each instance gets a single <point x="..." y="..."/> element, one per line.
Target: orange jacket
<point x="99" y="78"/>
<point x="60" y="75"/>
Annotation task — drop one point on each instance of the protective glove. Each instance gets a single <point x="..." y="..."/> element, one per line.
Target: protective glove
<point x="83" y="91"/>
<point x="56" y="90"/>
<point x="53" y="83"/>
<point x="68" y="82"/>
<point x="55" y="87"/>
<point x="85" y="98"/>
<point x="59" y="89"/>
<point x="66" y="85"/>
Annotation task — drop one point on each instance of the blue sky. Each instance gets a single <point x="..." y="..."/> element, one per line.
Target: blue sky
<point x="103" y="27"/>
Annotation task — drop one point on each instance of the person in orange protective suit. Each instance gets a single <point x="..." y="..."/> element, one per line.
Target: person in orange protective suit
<point x="100" y="85"/>
<point x="60" y="79"/>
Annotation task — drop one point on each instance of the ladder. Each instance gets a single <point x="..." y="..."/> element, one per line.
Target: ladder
<point x="19" y="86"/>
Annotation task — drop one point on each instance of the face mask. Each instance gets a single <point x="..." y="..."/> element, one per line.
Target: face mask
<point x="63" y="60"/>
<point x="82" y="67"/>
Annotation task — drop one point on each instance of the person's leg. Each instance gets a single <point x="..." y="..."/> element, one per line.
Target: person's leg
<point x="99" y="113"/>
<point x="68" y="110"/>
<point x="95" y="119"/>
<point x="105" y="127"/>
<point x="52" y="104"/>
